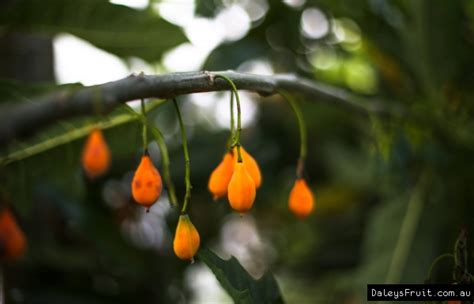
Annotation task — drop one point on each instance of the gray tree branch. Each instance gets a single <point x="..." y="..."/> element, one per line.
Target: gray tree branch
<point x="27" y="118"/>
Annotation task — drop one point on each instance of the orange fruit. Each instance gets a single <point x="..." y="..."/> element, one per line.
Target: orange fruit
<point x="220" y="177"/>
<point x="186" y="240"/>
<point x="12" y="239"/>
<point x="146" y="184"/>
<point x="95" y="155"/>
<point x="251" y="165"/>
<point x="301" y="201"/>
<point x="241" y="191"/>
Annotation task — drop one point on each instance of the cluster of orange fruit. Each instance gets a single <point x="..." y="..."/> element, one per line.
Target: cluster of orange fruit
<point x="238" y="176"/>
<point x="239" y="181"/>
<point x="146" y="189"/>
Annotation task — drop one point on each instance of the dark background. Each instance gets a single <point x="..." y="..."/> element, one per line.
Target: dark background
<point x="392" y="194"/>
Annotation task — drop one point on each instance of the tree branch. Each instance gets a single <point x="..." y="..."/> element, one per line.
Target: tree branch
<point x="27" y="118"/>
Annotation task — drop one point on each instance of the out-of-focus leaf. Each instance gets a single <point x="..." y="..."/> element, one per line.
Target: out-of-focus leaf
<point x="429" y="50"/>
<point x="230" y="56"/>
<point x="66" y="132"/>
<point x="379" y="20"/>
<point x="398" y="234"/>
<point x="277" y="37"/>
<point x="54" y="155"/>
<point x="207" y="8"/>
<point x="118" y="29"/>
<point x="383" y="138"/>
<point x="238" y="283"/>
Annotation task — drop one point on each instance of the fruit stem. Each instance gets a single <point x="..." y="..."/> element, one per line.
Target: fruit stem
<point x="232" y="122"/>
<point x="144" y="132"/>
<point x="236" y="141"/>
<point x="187" y="175"/>
<point x="302" y="128"/>
<point x="166" y="163"/>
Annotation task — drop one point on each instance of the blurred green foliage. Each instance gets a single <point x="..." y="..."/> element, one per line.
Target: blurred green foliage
<point x="117" y="29"/>
<point x="391" y="193"/>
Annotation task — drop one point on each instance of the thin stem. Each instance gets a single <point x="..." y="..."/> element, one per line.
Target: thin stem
<point x="303" y="135"/>
<point x="436" y="261"/>
<point x="232" y="122"/>
<point x="166" y="163"/>
<point x="236" y="141"/>
<point x="187" y="175"/>
<point x="407" y="232"/>
<point x="144" y="132"/>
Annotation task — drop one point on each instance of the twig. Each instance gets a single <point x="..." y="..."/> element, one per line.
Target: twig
<point x="27" y="118"/>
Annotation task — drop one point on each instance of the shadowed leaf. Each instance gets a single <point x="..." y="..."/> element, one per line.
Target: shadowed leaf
<point x="238" y="283"/>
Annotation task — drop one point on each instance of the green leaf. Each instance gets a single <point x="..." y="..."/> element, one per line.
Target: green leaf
<point x="118" y="29"/>
<point x="240" y="285"/>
